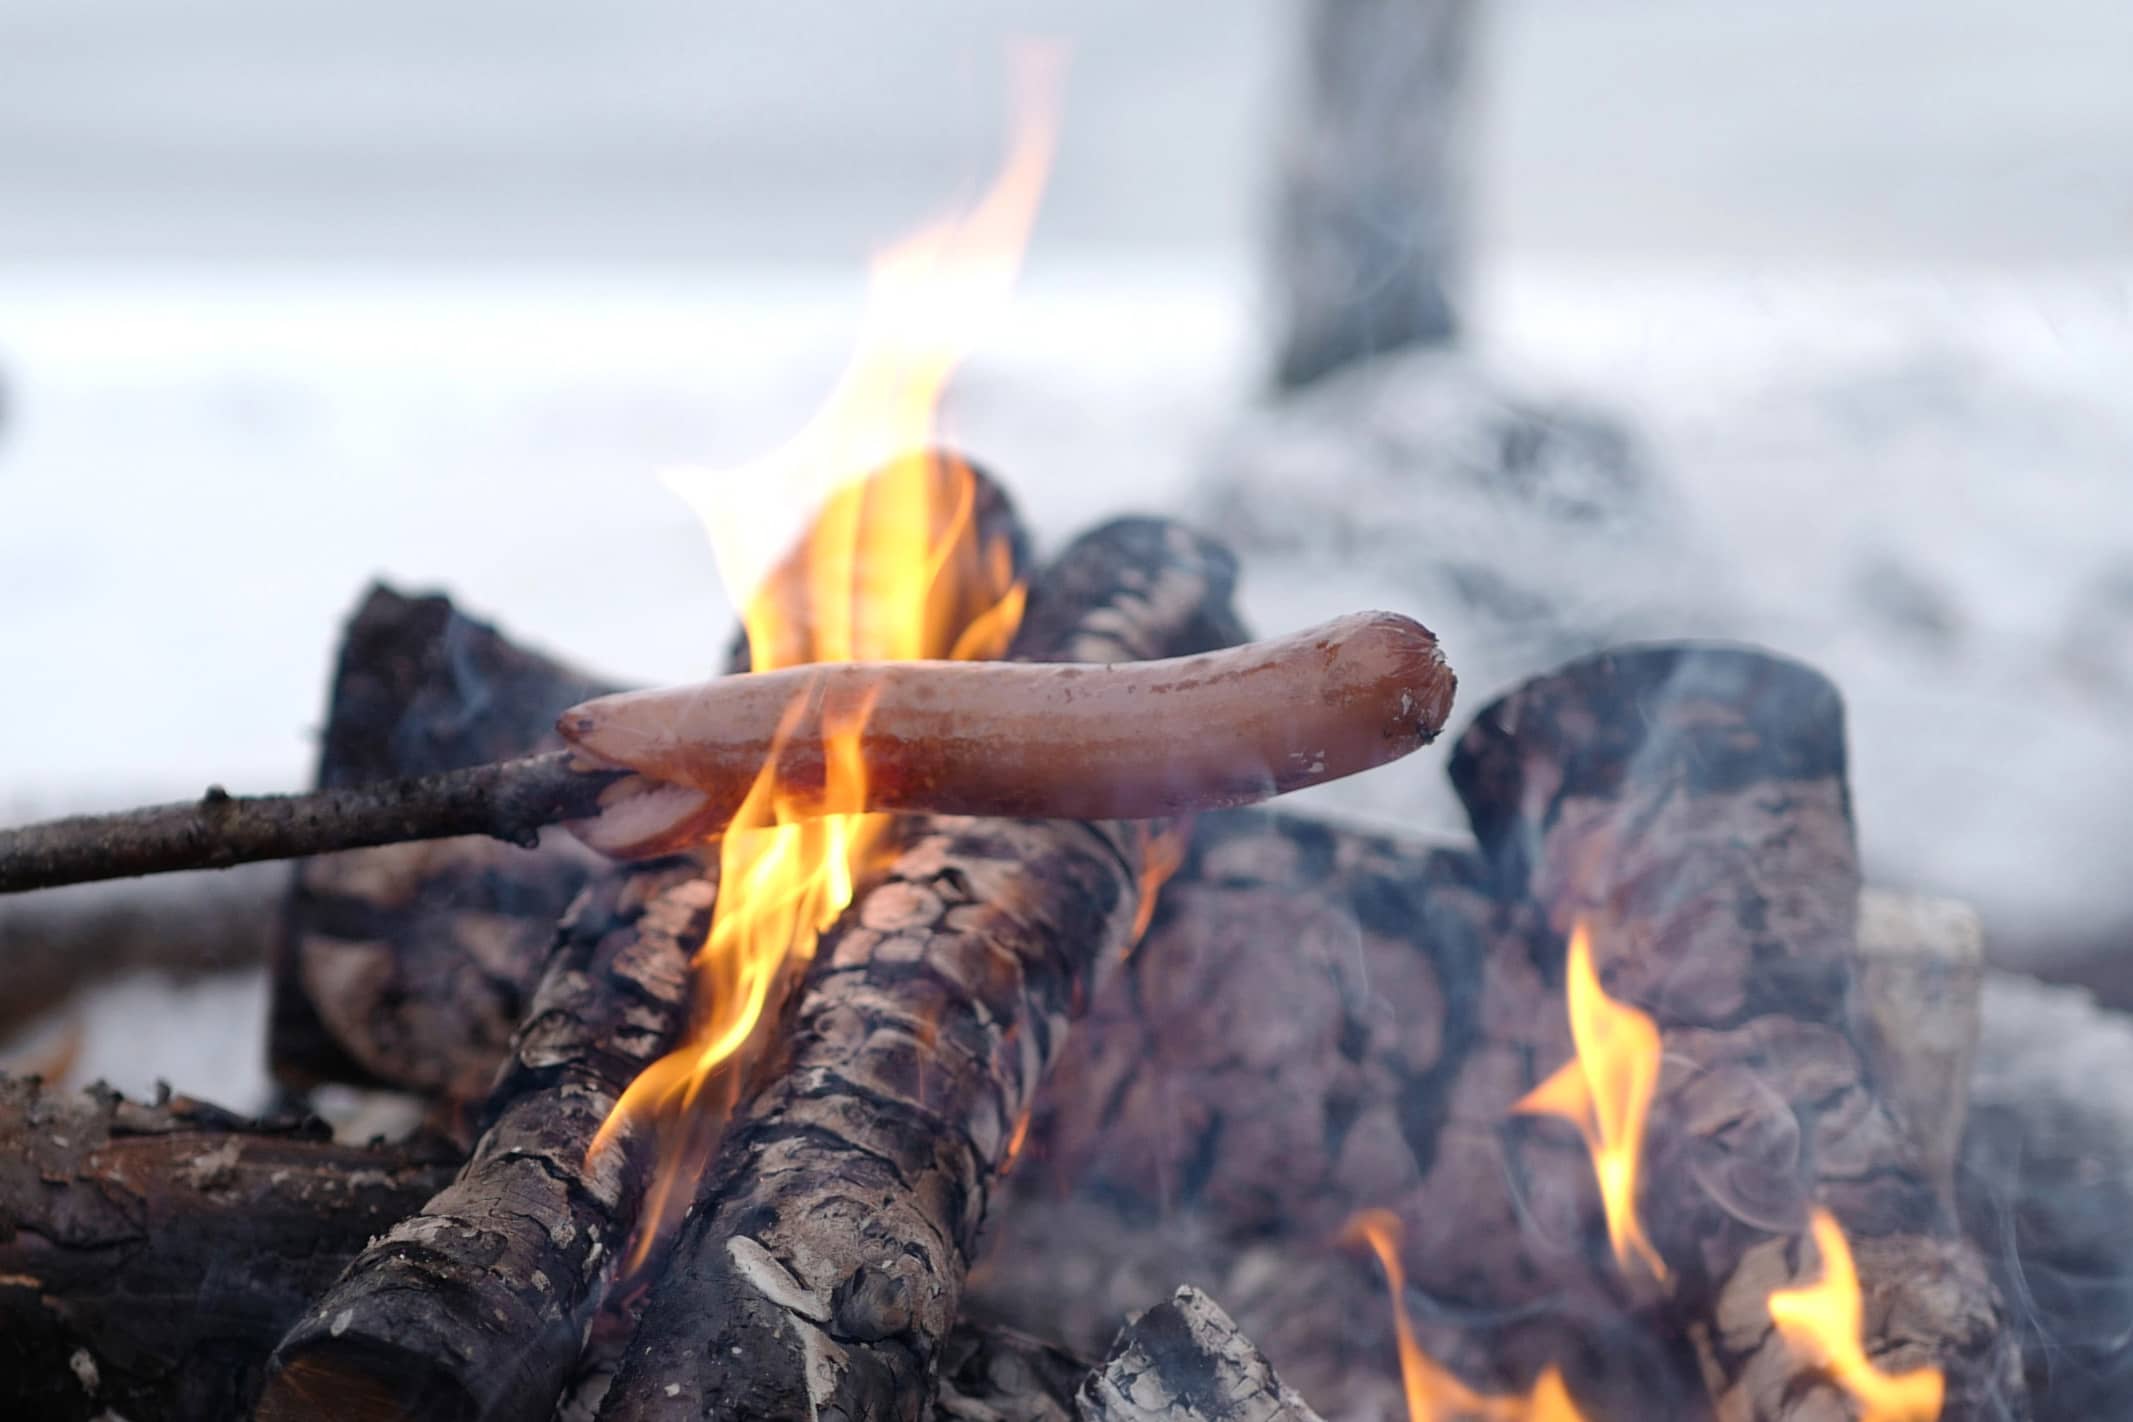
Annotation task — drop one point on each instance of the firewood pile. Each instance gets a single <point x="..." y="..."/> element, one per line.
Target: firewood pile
<point x="1644" y="1104"/>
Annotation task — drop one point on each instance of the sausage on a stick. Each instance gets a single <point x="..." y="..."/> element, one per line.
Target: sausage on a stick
<point x="1134" y="740"/>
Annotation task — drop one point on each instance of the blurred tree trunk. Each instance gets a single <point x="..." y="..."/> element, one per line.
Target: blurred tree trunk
<point x="1371" y="209"/>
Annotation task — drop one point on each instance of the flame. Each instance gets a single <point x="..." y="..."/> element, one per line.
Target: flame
<point x="1162" y="855"/>
<point x="893" y="566"/>
<point x="1821" y="1321"/>
<point x="1434" y="1394"/>
<point x="1606" y="1092"/>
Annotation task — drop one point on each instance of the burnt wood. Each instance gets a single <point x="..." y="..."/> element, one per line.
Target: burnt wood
<point x="823" y="1264"/>
<point x="410" y="965"/>
<point x="1185" y="1360"/>
<point x="1689" y="804"/>
<point x="476" y="1305"/>
<point x="151" y="1253"/>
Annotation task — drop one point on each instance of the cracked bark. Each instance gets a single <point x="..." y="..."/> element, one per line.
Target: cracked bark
<point x="823" y="1264"/>
<point x="476" y="1306"/>
<point x="1689" y="804"/>
<point x="150" y="1254"/>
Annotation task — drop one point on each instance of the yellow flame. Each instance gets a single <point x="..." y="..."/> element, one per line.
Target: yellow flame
<point x="893" y="566"/>
<point x="1821" y="1321"/>
<point x="1606" y="1092"/>
<point x="1433" y="1393"/>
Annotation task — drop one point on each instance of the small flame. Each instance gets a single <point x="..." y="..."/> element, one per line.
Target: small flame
<point x="1821" y="1320"/>
<point x="1606" y="1092"/>
<point x="892" y="567"/>
<point x="1433" y="1393"/>
<point x="1162" y="855"/>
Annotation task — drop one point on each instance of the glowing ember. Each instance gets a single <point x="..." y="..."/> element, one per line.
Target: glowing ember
<point x="892" y="568"/>
<point x="1606" y="1092"/>
<point x="1433" y="1393"/>
<point x="1821" y="1321"/>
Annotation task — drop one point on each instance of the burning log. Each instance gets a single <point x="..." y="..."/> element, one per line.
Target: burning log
<point x="409" y="966"/>
<point x="823" y="1264"/>
<point x="1185" y="1361"/>
<point x="151" y="1254"/>
<point x="477" y="1305"/>
<point x="1688" y="808"/>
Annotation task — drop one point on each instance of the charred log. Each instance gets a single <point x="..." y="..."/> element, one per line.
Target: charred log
<point x="823" y="1264"/>
<point x="477" y="1305"/>
<point x="410" y="965"/>
<point x="1689" y="805"/>
<point x="1185" y="1360"/>
<point x="151" y="1254"/>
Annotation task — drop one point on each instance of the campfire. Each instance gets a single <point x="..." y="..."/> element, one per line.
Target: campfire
<point x="922" y="1022"/>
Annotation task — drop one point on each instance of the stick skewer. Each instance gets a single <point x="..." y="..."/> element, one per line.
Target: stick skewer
<point x="510" y="799"/>
<point x="650" y="773"/>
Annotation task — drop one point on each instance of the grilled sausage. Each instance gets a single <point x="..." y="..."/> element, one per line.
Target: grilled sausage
<point x="1133" y="740"/>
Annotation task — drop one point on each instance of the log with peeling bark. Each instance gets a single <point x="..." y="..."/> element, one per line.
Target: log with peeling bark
<point x="1689" y="805"/>
<point x="823" y="1264"/>
<point x="1185" y="1360"/>
<point x="476" y="1306"/>
<point x="151" y="1254"/>
<point x="409" y="966"/>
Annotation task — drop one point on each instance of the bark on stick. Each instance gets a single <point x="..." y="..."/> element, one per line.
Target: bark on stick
<point x="824" y="1262"/>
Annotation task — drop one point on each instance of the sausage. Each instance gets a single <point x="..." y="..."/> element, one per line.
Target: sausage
<point x="1134" y="740"/>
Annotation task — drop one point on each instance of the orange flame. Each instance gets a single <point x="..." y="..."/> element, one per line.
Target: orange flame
<point x="1606" y="1092"/>
<point x="1162" y="855"/>
<point x="1821" y="1321"/>
<point x="893" y="567"/>
<point x="1433" y="1393"/>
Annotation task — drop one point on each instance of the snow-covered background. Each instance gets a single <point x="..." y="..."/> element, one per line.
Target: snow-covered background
<point x="291" y="298"/>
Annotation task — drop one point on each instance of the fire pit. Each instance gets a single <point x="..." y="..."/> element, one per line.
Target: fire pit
<point x="1636" y="1111"/>
<point x="920" y="1022"/>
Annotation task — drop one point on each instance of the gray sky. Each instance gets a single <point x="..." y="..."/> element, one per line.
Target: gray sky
<point x="696" y="132"/>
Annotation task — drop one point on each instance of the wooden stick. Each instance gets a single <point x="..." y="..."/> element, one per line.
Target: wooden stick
<point x="509" y="800"/>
